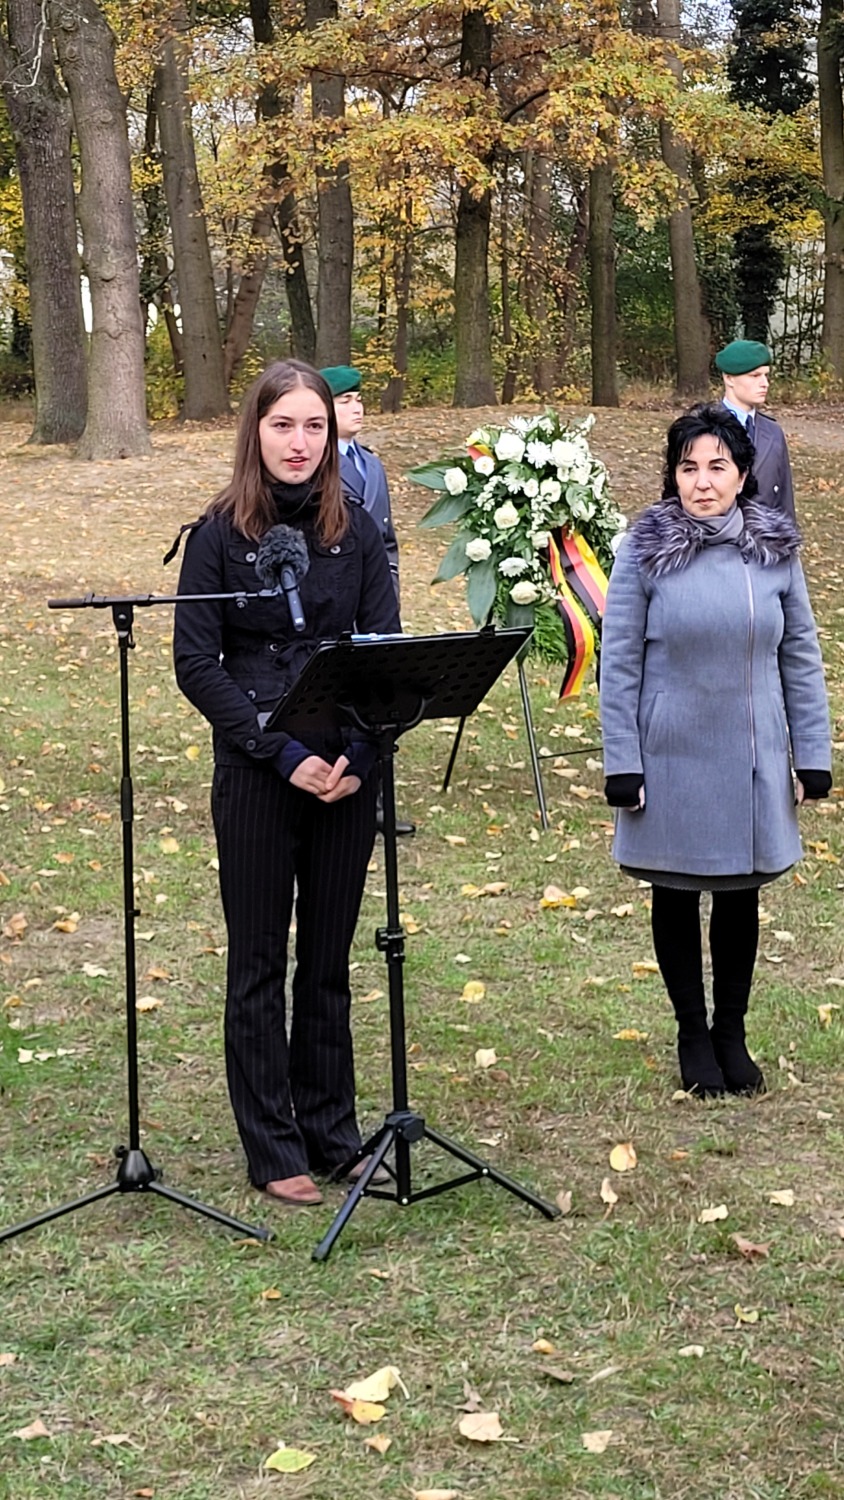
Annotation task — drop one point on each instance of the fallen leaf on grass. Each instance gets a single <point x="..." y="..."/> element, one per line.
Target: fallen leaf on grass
<point x="542" y="1346"/>
<point x="16" y="926"/>
<point x="6" y="1360"/>
<point x="35" y="1429"/>
<point x="380" y="1442"/>
<point x="363" y="1412"/>
<point x="625" y="910"/>
<point x="644" y="968"/>
<point x="608" y="1193"/>
<point x="784" y="1197"/>
<point x="289" y="1460"/>
<point x="555" y="1372"/>
<point x="117" y="1439"/>
<point x="623" y="1157"/>
<point x="94" y="971"/>
<point x="454" y="838"/>
<point x="272" y="1294"/>
<point x="746" y="1315"/>
<point x="691" y="1351"/>
<point x="485" y="1057"/>
<point x="596" y="1442"/>
<point x="409" y="923"/>
<point x="473" y="991"/>
<point x="825" y="1013"/>
<point x="711" y="1215"/>
<point x="481" y="1427"/>
<point x="67" y="924"/>
<point x="148" y="1002"/>
<point x="193" y="752"/>
<point x="168" y="845"/>
<point x="373" y="995"/>
<point x="552" y="897"/>
<point x="377" y="1387"/>
<point x="563" y="1201"/>
<point x="630" y="1034"/>
<point x="434" y="1494"/>
<point x="603" y="1374"/>
<point x="748" y="1249"/>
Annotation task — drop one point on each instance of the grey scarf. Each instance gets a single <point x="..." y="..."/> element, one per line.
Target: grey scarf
<point x="716" y="530"/>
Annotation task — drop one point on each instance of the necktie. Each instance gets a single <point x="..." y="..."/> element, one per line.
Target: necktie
<point x="750" y="429"/>
<point x="358" y="459"/>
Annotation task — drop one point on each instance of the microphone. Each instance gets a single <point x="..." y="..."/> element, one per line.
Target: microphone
<point x="281" y="562"/>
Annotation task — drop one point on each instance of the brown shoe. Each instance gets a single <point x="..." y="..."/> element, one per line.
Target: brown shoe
<point x="379" y="1178"/>
<point x="301" y="1192"/>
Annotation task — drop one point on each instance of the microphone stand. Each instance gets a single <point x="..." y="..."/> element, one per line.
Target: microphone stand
<point x="135" y="1173"/>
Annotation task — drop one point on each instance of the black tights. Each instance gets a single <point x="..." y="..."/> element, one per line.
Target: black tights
<point x="733" y="938"/>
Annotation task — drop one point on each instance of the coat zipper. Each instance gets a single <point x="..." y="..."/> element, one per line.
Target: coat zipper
<point x="749" y="674"/>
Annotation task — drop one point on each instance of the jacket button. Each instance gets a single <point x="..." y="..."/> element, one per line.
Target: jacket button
<point x="250" y="744"/>
<point x="252" y="694"/>
<point x="334" y="551"/>
<point x="776" y="489"/>
<point x="273" y="646"/>
<point x="251" y="556"/>
<point x="241" y="603"/>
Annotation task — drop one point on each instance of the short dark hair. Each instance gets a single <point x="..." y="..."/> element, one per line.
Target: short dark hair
<point x="709" y="419"/>
<point x="247" y="498"/>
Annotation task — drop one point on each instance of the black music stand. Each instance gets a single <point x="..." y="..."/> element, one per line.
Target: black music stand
<point x="135" y="1173"/>
<point x="385" y="686"/>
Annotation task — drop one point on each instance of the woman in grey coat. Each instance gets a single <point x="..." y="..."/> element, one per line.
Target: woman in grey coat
<point x="711" y="690"/>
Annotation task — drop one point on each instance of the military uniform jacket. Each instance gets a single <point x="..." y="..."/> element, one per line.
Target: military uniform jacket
<point x="374" y="495"/>
<point x="771" y="465"/>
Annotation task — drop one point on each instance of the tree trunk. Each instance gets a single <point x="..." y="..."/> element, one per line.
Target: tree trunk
<point x="692" y="333"/>
<point x="202" y="349"/>
<point x="538" y="273"/>
<point x="393" y="394"/>
<point x="335" y="223"/>
<point x="39" y="113"/>
<point x="508" y="384"/>
<point x="279" y="208"/>
<point x="567" y="294"/>
<point x="602" y="268"/>
<point x="830" y="54"/>
<point x="474" y="384"/>
<point x="116" y="425"/>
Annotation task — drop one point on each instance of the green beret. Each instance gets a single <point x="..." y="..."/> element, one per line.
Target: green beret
<point x="342" y="379"/>
<point x="740" y="357"/>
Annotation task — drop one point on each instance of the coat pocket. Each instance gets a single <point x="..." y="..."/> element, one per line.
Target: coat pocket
<point x="653" y="727"/>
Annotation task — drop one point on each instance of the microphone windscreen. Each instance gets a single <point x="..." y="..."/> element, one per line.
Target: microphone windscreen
<point x="281" y="546"/>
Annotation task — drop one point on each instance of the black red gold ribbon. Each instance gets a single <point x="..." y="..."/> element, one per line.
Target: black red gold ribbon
<point x="581" y="597"/>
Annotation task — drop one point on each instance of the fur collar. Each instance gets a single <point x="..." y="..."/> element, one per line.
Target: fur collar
<point x="665" y="538"/>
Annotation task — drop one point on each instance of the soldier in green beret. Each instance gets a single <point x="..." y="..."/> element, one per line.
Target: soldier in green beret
<point x="745" y="366"/>
<point x="361" y="471"/>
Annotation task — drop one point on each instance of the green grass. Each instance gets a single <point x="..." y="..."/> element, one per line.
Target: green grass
<point x="136" y="1318"/>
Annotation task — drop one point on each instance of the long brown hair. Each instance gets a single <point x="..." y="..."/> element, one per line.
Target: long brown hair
<point x="247" y="498"/>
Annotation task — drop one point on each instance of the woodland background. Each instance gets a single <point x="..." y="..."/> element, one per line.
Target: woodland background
<point x="489" y="201"/>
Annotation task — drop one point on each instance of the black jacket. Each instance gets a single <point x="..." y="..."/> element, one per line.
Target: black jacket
<point x="234" y="659"/>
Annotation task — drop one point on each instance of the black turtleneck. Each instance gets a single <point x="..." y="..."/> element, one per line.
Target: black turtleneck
<point x="294" y="501"/>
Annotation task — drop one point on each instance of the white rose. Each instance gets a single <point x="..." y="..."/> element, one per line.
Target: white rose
<point x="564" y="454"/>
<point x="455" y="481"/>
<point x="552" y="489"/>
<point x="580" y="471"/>
<point x="524" y="592"/>
<point x="538" y="454"/>
<point x="484" y="465"/>
<point x="506" y="516"/>
<point x="540" y="539"/>
<point x="478" y="549"/>
<point x="531" y="488"/>
<point x="511" y="567"/>
<point x="510" y="446"/>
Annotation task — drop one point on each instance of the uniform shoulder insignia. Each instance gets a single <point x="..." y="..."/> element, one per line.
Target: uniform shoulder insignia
<point x="177" y="541"/>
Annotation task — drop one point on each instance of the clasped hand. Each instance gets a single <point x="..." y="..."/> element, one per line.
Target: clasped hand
<point x="323" y="780"/>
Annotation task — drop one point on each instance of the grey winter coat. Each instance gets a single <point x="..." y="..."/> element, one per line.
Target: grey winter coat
<point x="709" y="665"/>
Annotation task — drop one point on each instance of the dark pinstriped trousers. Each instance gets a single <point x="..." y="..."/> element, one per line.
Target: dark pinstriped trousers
<point x="294" y="1102"/>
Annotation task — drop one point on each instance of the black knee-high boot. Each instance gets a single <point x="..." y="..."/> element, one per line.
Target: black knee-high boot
<point x="675" y="920"/>
<point x="733" y="940"/>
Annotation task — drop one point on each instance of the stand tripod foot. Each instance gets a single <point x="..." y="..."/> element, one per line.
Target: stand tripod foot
<point x="136" y="1174"/>
<point x="403" y="1129"/>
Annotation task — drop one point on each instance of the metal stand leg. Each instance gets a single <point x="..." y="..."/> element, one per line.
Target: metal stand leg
<point x="534" y="758"/>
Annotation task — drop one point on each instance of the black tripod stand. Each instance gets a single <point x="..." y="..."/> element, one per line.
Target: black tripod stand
<point x="387" y="687"/>
<point x="135" y="1174"/>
